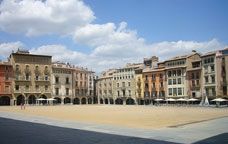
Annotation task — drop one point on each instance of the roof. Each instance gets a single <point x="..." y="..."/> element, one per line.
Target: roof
<point x="5" y="63"/>
<point x="209" y="53"/>
<point x="27" y="54"/>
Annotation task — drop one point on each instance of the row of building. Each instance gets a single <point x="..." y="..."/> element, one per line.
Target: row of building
<point x="189" y="76"/>
<point x="27" y="77"/>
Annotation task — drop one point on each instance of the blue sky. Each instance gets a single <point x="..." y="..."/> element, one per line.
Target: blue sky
<point x="101" y="34"/>
<point x="167" y="20"/>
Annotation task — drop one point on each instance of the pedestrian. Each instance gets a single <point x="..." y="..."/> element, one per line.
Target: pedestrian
<point x="22" y="105"/>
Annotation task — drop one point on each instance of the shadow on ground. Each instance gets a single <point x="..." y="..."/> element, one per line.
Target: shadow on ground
<point x="19" y="132"/>
<point x="218" y="139"/>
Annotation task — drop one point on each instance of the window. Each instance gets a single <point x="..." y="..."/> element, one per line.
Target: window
<point x="161" y="84"/>
<point x="67" y="91"/>
<point x="56" y="91"/>
<point x="179" y="80"/>
<point x="129" y="91"/>
<point x="56" y="80"/>
<point x="193" y="82"/>
<point x="7" y="77"/>
<point x="146" y="86"/>
<point x="129" y="83"/>
<point x="212" y="79"/>
<point x="76" y="83"/>
<point x="27" y="87"/>
<point x="118" y="85"/>
<point x="206" y="79"/>
<point x="161" y="76"/>
<point x="46" y="77"/>
<point x="174" y="91"/>
<point x="37" y="87"/>
<point x="67" y="80"/>
<point x="118" y="93"/>
<point x="146" y="77"/>
<point x="170" y="82"/>
<point x="193" y="76"/>
<point x="197" y="82"/>
<point x="170" y="91"/>
<point x="178" y="72"/>
<point x="27" y="76"/>
<point x="197" y="75"/>
<point x="46" y="87"/>
<point x="80" y="83"/>
<point x="169" y="73"/>
<point x="17" y="87"/>
<point x="153" y="76"/>
<point x="17" y="68"/>
<point x="179" y="91"/>
<point x="123" y="93"/>
<point x="174" y="81"/>
<point x="212" y="68"/>
<point x="37" y="77"/>
<point x="174" y="73"/>
<point x="123" y="84"/>
<point x="153" y="85"/>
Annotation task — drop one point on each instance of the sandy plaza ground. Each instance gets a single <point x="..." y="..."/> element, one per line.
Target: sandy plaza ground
<point x="146" y="117"/>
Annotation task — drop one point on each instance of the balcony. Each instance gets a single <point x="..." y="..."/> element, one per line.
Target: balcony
<point x="195" y="87"/>
<point x="123" y="88"/>
<point x="153" y="79"/>
<point x="139" y="83"/>
<point x="162" y="88"/>
<point x="153" y="88"/>
<point x="46" y="72"/>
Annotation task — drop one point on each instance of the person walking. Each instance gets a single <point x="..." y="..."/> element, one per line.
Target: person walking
<point x="23" y="105"/>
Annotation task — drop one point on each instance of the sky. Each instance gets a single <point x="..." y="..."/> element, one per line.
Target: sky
<point x="103" y="34"/>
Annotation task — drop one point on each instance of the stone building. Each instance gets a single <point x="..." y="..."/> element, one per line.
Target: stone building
<point x="154" y="80"/>
<point x="32" y="77"/>
<point x="91" y="86"/>
<point x="194" y="76"/>
<point x="180" y="71"/>
<point x="62" y="86"/>
<point x="81" y="86"/>
<point x="214" y="70"/>
<point x="176" y="77"/>
<point x="6" y="80"/>
<point x="224" y="72"/>
<point x="124" y="84"/>
<point x="139" y="86"/>
<point x="209" y="71"/>
<point x="104" y="87"/>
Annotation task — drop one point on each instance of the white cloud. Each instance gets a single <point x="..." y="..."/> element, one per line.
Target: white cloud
<point x="98" y="62"/>
<point x="111" y="45"/>
<point x="37" y="17"/>
<point x="60" y="53"/>
<point x="112" y="57"/>
<point x="7" y="48"/>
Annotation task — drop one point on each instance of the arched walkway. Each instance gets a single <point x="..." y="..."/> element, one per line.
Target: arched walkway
<point x="31" y="99"/>
<point x="111" y="101"/>
<point x="76" y="101"/>
<point x="119" y="101"/>
<point x="44" y="97"/>
<point x="83" y="101"/>
<point x="20" y="99"/>
<point x="4" y="100"/>
<point x="90" y="101"/>
<point x="66" y="100"/>
<point x="101" y="101"/>
<point x="147" y="102"/>
<point x="106" y="101"/>
<point x="57" y="100"/>
<point x="130" y="101"/>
